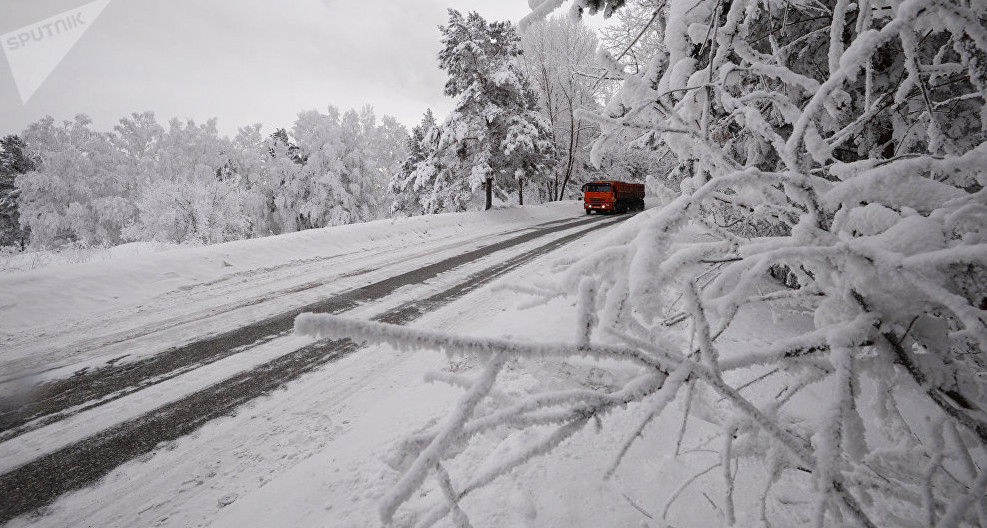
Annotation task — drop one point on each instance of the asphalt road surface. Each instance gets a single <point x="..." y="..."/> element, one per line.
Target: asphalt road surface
<point x="37" y="483"/>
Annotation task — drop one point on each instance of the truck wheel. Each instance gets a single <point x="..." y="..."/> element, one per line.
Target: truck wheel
<point x="588" y="211"/>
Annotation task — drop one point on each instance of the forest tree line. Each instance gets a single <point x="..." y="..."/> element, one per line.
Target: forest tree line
<point x="514" y="134"/>
<point x="68" y="184"/>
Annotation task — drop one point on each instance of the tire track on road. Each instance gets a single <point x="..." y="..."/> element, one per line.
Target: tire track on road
<point x="51" y="401"/>
<point x="41" y="481"/>
<point x="268" y="278"/>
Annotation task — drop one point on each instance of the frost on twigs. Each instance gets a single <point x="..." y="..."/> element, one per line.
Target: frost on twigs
<point x="557" y="415"/>
<point x="842" y="143"/>
<point x="838" y="147"/>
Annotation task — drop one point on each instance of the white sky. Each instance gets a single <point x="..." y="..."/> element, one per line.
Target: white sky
<point x="243" y="61"/>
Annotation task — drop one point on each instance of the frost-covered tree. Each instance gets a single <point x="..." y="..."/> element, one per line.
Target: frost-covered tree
<point x="385" y="148"/>
<point x="839" y="146"/>
<point x="560" y="59"/>
<point x="191" y="192"/>
<point x="138" y="139"/>
<point x="251" y="158"/>
<point x="341" y="180"/>
<point x="187" y="184"/>
<point x="494" y="138"/>
<point x="410" y="187"/>
<point x="388" y="142"/>
<point x="632" y="37"/>
<point x="74" y="195"/>
<point x="192" y="151"/>
<point x="281" y="165"/>
<point x="14" y="161"/>
<point x="191" y="211"/>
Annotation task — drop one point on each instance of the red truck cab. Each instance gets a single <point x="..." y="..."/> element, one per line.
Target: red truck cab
<point x="612" y="196"/>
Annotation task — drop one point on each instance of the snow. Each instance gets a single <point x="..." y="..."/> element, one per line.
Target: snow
<point x="23" y="261"/>
<point x="655" y="374"/>
<point x="345" y="483"/>
<point x="330" y="446"/>
<point x="896" y="185"/>
<point x="336" y="447"/>
<point x="120" y="295"/>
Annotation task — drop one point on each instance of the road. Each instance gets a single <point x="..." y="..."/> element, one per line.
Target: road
<point x="69" y="432"/>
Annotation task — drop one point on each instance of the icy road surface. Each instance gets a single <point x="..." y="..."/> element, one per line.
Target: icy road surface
<point x="158" y="377"/>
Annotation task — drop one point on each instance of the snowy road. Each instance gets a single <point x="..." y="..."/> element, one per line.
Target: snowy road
<point x="130" y="386"/>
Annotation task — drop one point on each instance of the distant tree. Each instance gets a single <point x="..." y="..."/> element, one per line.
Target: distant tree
<point x="75" y="195"/>
<point x="247" y="158"/>
<point x="138" y="142"/>
<point x="560" y="59"/>
<point x="14" y="156"/>
<point x="14" y="161"/>
<point x="413" y="185"/>
<point x="185" y="183"/>
<point x="194" y="192"/>
<point x="281" y="136"/>
<point x="346" y="161"/>
<point x="281" y="163"/>
<point x="494" y="137"/>
<point x="139" y="139"/>
<point x="191" y="212"/>
<point x="383" y="147"/>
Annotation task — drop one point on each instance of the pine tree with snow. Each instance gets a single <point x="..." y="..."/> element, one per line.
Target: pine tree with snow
<point x="14" y="161"/>
<point x="419" y="149"/>
<point x="280" y="137"/>
<point x="494" y="138"/>
<point x="404" y="185"/>
<point x="281" y="165"/>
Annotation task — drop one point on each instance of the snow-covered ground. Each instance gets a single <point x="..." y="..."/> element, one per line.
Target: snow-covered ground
<point x="65" y="315"/>
<point x="315" y="453"/>
<point x="323" y="450"/>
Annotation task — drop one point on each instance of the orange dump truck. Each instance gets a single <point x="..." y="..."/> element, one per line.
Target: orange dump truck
<point x="613" y="196"/>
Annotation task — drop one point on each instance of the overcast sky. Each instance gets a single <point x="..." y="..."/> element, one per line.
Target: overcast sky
<point x="243" y="61"/>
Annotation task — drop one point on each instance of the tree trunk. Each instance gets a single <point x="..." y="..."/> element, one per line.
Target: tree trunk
<point x="520" y="191"/>
<point x="571" y="161"/>
<point x="489" y="194"/>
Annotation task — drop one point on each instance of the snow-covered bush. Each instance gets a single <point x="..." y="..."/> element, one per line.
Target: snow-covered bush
<point x="191" y="211"/>
<point x="843" y="144"/>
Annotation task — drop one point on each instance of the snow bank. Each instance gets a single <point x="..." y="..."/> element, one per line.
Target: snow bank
<point x="34" y="299"/>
